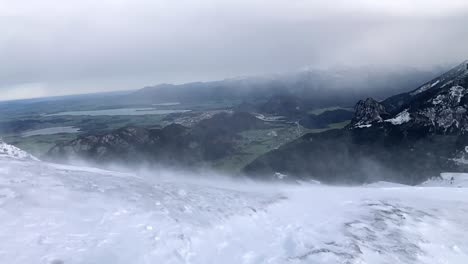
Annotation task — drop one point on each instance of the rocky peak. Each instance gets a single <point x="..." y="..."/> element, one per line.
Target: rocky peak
<point x="367" y="112"/>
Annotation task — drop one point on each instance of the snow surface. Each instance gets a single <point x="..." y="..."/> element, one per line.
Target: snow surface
<point x="435" y="83"/>
<point x="401" y="118"/>
<point x="362" y="126"/>
<point x="64" y="214"/>
<point x="422" y="89"/>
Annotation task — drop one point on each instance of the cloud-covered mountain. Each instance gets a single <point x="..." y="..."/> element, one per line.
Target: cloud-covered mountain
<point x="406" y="138"/>
<point x="314" y="88"/>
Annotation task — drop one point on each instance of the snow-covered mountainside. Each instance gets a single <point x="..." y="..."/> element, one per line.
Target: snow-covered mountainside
<point x="439" y="105"/>
<point x="61" y="214"/>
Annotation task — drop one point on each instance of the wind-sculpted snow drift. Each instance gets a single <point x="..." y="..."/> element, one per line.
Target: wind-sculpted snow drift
<point x="61" y="214"/>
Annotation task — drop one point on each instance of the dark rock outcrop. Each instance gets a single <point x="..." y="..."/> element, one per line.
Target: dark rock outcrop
<point x="367" y="112"/>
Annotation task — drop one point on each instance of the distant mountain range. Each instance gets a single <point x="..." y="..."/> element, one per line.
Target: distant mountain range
<point x="276" y="94"/>
<point x="313" y="88"/>
<point x="406" y="138"/>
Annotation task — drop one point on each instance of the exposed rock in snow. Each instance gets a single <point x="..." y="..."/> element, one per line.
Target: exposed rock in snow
<point x="438" y="100"/>
<point x="447" y="110"/>
<point x="456" y="93"/>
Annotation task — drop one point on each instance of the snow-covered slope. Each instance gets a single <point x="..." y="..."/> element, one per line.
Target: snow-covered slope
<point x="11" y="152"/>
<point x="458" y="180"/>
<point x="62" y="214"/>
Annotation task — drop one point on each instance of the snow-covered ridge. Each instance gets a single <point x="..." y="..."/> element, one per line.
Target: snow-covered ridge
<point x="9" y="151"/>
<point x="444" y="80"/>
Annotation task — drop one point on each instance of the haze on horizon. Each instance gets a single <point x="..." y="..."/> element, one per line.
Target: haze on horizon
<point x="52" y="47"/>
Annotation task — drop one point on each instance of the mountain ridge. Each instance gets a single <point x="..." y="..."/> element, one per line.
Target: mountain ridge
<point x="314" y="87"/>
<point x="173" y="145"/>
<point x="422" y="134"/>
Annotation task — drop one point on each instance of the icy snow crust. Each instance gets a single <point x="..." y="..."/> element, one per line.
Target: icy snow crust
<point x="62" y="214"/>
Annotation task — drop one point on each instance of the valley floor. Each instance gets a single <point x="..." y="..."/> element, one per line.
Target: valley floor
<point x="61" y="214"/>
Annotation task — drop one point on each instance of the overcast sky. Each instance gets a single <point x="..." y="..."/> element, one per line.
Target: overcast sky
<point x="52" y="47"/>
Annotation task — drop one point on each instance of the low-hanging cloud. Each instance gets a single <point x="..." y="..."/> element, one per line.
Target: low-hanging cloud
<point x="63" y="47"/>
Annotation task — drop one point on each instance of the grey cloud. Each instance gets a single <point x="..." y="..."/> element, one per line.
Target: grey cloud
<point x="73" y="46"/>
